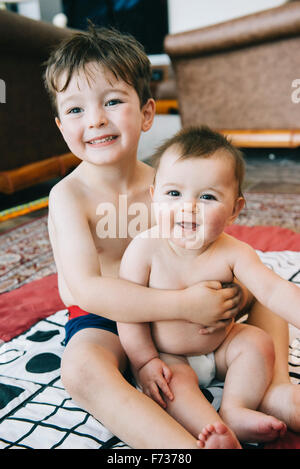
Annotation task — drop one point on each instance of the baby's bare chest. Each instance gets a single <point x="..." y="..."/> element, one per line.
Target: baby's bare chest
<point x="169" y="273"/>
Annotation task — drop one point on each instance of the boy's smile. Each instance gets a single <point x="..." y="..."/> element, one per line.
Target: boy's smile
<point x="100" y="117"/>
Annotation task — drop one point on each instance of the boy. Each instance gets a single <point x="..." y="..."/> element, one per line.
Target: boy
<point x="197" y="193"/>
<point x="90" y="78"/>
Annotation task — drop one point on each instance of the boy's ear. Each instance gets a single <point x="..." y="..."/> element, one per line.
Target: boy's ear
<point x="151" y="190"/>
<point x="148" y="111"/>
<point x="239" y="205"/>
<point x="58" y="123"/>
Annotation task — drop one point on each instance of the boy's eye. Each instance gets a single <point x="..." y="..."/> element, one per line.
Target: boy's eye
<point x="173" y="193"/>
<point x="112" y="102"/>
<point x="75" y="110"/>
<point x="208" y="197"/>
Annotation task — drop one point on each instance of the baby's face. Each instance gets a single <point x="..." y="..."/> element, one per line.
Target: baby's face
<point x="194" y="198"/>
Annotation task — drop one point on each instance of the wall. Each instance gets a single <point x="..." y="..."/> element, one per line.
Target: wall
<point x="191" y="14"/>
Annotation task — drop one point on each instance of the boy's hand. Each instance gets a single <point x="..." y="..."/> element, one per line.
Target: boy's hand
<point x="154" y="378"/>
<point x="211" y="305"/>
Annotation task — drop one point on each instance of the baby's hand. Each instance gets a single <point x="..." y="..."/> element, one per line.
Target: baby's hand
<point x="154" y="378"/>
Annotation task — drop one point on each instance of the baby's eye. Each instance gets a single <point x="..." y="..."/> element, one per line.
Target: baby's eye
<point x="207" y="197"/>
<point x="112" y="102"/>
<point x="173" y="193"/>
<point x="75" y="110"/>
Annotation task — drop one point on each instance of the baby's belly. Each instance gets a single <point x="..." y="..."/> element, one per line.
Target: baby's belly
<point x="183" y="338"/>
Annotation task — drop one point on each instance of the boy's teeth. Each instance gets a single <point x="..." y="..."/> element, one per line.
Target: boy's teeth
<point x="102" y="140"/>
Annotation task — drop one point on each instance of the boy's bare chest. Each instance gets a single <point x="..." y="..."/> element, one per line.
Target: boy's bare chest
<point x="114" y="222"/>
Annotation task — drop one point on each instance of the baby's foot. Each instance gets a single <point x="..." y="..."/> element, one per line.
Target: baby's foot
<point x="217" y="436"/>
<point x="252" y="426"/>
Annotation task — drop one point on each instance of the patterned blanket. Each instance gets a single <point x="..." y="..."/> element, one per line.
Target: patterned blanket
<point x="37" y="412"/>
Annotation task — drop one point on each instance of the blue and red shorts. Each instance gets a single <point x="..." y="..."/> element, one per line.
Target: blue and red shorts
<point x="80" y="319"/>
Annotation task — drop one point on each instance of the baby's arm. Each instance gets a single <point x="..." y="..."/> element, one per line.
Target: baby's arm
<point x="136" y="339"/>
<point x="277" y="294"/>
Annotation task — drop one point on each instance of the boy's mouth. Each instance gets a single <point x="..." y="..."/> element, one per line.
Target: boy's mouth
<point x="101" y="140"/>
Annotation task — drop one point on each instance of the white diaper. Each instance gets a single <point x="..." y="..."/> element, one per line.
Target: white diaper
<point x="204" y="367"/>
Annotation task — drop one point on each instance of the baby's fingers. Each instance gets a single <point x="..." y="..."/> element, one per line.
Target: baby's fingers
<point x="153" y="392"/>
<point x="164" y="387"/>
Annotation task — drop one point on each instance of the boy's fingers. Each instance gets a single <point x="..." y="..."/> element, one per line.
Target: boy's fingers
<point x="231" y="292"/>
<point x="215" y="326"/>
<point x="214" y="284"/>
<point x="231" y="313"/>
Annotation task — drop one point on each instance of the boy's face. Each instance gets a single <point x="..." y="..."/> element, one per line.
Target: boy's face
<point x="100" y="117"/>
<point x="197" y="197"/>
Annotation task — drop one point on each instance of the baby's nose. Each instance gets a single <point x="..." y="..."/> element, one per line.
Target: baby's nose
<point x="190" y="205"/>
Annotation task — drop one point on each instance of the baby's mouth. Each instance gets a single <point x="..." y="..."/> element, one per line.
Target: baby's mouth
<point x="188" y="226"/>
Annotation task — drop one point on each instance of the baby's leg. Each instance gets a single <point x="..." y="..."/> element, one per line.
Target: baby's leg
<point x="190" y="408"/>
<point x="246" y="358"/>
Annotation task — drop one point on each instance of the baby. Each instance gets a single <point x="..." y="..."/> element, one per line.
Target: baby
<point x="196" y="194"/>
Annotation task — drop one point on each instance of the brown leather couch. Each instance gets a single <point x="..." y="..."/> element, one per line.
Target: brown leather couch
<point x="31" y="148"/>
<point x="237" y="76"/>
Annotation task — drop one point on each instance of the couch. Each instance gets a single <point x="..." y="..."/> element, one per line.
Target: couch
<point x="238" y="76"/>
<point x="31" y="147"/>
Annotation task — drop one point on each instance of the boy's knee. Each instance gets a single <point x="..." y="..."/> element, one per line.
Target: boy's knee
<point x="73" y="371"/>
<point x="81" y="366"/>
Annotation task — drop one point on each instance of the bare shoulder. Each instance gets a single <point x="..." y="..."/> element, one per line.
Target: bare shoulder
<point x="145" y="242"/>
<point x="141" y="249"/>
<point x="234" y="246"/>
<point x="66" y="193"/>
<point x="67" y="208"/>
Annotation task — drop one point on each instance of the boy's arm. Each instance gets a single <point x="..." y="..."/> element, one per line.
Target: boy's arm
<point x="277" y="294"/>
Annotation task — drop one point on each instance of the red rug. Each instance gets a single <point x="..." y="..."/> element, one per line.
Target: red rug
<point x="24" y="306"/>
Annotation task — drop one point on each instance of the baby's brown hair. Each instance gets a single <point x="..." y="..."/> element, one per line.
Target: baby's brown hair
<point x="119" y="53"/>
<point x="202" y="142"/>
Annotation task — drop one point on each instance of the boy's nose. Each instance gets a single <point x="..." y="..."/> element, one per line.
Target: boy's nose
<point x="97" y="118"/>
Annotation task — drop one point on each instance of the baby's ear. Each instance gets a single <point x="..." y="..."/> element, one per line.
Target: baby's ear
<point x="239" y="205"/>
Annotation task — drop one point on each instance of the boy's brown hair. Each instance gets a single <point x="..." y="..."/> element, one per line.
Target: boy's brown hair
<point x="117" y="52"/>
<point x="202" y="142"/>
